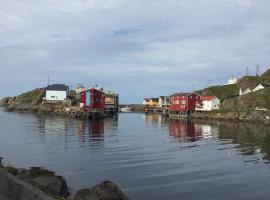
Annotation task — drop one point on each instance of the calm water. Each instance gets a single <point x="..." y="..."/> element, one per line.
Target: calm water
<point x="150" y="157"/>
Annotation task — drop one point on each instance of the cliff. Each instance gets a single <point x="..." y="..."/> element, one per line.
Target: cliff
<point x="29" y="101"/>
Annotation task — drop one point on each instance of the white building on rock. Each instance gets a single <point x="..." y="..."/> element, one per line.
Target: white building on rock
<point x="56" y="92"/>
<point x="232" y="80"/>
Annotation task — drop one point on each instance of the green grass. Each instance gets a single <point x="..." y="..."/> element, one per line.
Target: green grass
<point x="34" y="96"/>
<point x="249" y="101"/>
<point x="222" y="92"/>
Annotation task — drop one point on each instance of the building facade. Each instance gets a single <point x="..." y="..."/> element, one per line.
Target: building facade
<point x="184" y="102"/>
<point x="164" y="101"/>
<point x="209" y="103"/>
<point x="56" y="92"/>
<point x="111" y="101"/>
<point x="258" y="87"/>
<point x="151" y="102"/>
<point x="243" y="91"/>
<point x="232" y="80"/>
<point x="80" y="88"/>
<point x="93" y="99"/>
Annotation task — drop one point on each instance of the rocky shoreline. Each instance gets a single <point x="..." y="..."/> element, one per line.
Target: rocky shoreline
<point x="53" y="185"/>
<point x="235" y="115"/>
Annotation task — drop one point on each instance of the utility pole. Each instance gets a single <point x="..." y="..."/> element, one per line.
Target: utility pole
<point x="257" y="70"/>
<point x="247" y="71"/>
<point x="48" y="79"/>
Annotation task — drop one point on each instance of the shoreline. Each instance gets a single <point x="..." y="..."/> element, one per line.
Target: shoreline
<point x="228" y="115"/>
<point x="38" y="183"/>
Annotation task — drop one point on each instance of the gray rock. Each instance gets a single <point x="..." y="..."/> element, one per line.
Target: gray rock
<point x="52" y="185"/>
<point x="103" y="191"/>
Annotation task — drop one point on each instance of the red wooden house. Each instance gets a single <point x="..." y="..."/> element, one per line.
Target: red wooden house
<point x="184" y="102"/>
<point x="93" y="99"/>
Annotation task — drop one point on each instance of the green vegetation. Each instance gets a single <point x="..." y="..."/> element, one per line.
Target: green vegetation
<point x="11" y="169"/>
<point x="222" y="92"/>
<point x="249" y="81"/>
<point x="266" y="76"/>
<point x="33" y="97"/>
<point x="259" y="99"/>
<point x="228" y="94"/>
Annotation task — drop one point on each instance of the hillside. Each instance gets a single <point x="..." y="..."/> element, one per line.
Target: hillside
<point x="249" y="81"/>
<point x="250" y="101"/>
<point x="26" y="101"/>
<point x="227" y="92"/>
<point x="222" y="92"/>
<point x="266" y="76"/>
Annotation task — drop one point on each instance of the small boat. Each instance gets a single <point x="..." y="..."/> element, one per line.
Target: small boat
<point x="125" y="109"/>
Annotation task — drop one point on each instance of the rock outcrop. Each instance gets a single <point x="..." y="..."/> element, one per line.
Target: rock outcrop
<point x="43" y="179"/>
<point x="258" y="116"/>
<point x="106" y="190"/>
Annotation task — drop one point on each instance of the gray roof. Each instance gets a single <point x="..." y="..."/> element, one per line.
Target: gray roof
<point x="58" y="87"/>
<point x="181" y="94"/>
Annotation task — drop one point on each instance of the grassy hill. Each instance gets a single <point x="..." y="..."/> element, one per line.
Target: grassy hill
<point x="30" y="98"/>
<point x="249" y="101"/>
<point x="33" y="97"/>
<point x="228" y="94"/>
<point x="222" y="92"/>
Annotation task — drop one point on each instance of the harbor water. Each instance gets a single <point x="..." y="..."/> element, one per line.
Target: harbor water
<point x="148" y="156"/>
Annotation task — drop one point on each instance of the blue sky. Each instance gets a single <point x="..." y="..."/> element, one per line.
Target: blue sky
<point x="138" y="48"/>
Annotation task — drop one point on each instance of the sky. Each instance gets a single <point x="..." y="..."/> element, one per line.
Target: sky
<point x="138" y="48"/>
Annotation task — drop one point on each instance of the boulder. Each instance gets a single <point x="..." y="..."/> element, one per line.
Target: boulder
<point x="106" y="190"/>
<point x="55" y="186"/>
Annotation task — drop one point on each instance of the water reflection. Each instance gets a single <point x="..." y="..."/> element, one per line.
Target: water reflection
<point x="184" y="130"/>
<point x="155" y="118"/>
<point x="51" y="129"/>
<point x="251" y="138"/>
<point x="146" y="154"/>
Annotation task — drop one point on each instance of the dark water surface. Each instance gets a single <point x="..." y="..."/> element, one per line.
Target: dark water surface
<point x="149" y="156"/>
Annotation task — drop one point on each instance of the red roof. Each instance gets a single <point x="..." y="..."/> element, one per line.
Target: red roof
<point x="207" y="98"/>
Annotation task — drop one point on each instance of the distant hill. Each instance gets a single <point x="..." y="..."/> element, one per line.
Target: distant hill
<point x="250" y="101"/>
<point x="229" y="94"/>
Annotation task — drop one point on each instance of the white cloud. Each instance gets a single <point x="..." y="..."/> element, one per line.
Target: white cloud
<point x="132" y="44"/>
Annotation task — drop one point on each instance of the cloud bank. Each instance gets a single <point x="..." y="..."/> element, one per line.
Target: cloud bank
<point x="136" y="47"/>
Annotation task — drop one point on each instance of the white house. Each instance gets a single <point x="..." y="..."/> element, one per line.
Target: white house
<point x="209" y="103"/>
<point x="258" y="87"/>
<point x="80" y="88"/>
<point x="56" y="92"/>
<point x="232" y="80"/>
<point x="163" y="101"/>
<point x="244" y="91"/>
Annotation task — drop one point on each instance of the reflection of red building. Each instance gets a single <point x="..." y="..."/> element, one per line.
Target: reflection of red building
<point x="93" y="99"/>
<point x="93" y="129"/>
<point x="184" y="102"/>
<point x="96" y="130"/>
<point x="183" y="130"/>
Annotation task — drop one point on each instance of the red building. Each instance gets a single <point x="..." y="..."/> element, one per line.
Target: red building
<point x="184" y="102"/>
<point x="93" y="99"/>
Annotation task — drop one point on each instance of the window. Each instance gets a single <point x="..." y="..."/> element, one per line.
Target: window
<point x="184" y="101"/>
<point x="52" y="97"/>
